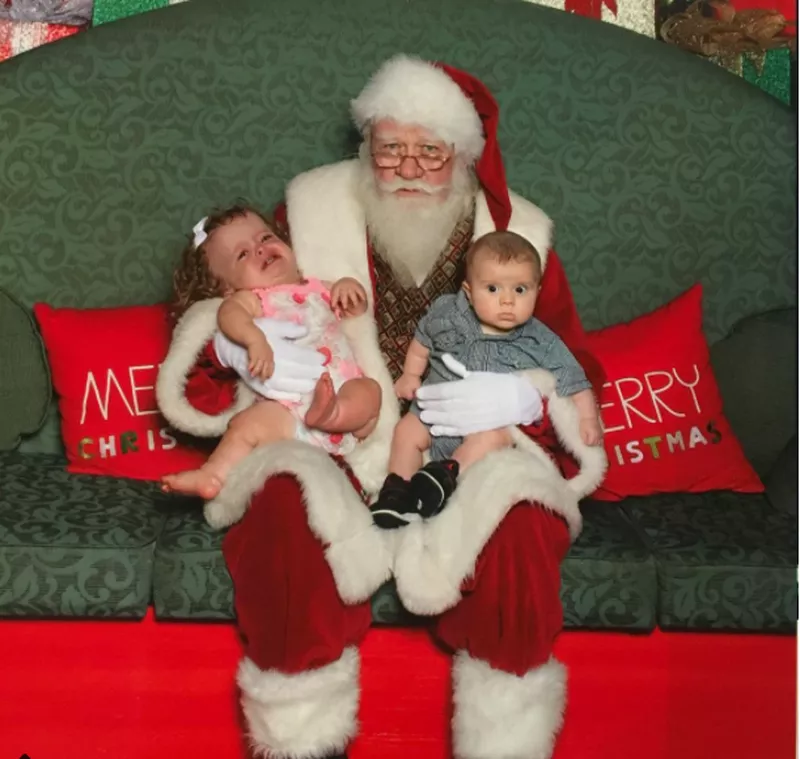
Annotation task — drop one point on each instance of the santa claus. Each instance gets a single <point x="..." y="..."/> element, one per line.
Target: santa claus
<point x="302" y="550"/>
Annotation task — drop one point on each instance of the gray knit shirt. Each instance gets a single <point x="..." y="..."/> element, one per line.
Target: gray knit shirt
<point x="451" y="326"/>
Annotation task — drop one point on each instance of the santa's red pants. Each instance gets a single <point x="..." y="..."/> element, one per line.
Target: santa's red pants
<point x="293" y="621"/>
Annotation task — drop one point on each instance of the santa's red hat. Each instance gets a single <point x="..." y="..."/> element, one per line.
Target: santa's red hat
<point x="452" y="104"/>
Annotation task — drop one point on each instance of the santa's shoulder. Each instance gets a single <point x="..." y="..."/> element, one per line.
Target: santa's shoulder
<point x="338" y="178"/>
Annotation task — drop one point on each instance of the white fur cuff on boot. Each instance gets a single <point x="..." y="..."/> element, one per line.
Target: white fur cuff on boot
<point x="303" y="716"/>
<point x="502" y="716"/>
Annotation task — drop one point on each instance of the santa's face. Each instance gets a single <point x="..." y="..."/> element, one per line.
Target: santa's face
<point x="415" y="189"/>
<point x="410" y="161"/>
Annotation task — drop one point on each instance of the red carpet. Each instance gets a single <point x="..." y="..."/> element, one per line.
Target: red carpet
<point x="147" y="690"/>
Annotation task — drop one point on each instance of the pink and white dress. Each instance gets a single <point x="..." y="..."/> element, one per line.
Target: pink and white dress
<point x="309" y="304"/>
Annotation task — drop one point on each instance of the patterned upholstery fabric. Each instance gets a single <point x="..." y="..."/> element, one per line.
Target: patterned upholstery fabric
<point x="657" y="168"/>
<point x="84" y="546"/>
<point x="608" y="579"/>
<point x="74" y="545"/>
<point x="190" y="579"/>
<point x="725" y="561"/>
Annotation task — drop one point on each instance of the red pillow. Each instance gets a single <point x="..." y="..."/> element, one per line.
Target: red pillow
<point x="665" y="431"/>
<point x="104" y="364"/>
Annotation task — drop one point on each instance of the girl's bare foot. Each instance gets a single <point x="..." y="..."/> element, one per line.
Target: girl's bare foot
<point x="196" y="482"/>
<point x="322" y="410"/>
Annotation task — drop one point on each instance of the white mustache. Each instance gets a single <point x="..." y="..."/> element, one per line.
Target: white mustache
<point x="398" y="183"/>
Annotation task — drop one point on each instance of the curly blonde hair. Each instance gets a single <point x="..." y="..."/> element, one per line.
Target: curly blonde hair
<point x="192" y="280"/>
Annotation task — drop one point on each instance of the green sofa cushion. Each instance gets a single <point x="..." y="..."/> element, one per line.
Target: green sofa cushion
<point x="73" y="545"/>
<point x="725" y="561"/>
<point x="24" y="374"/>
<point x="756" y="370"/>
<point x="609" y="577"/>
<point x="190" y="580"/>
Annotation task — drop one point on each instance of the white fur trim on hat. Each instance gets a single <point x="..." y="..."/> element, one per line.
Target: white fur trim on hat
<point x="412" y="91"/>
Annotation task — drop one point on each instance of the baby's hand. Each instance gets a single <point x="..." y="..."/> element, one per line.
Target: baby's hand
<point x="348" y="297"/>
<point x="261" y="361"/>
<point x="407" y="386"/>
<point x="591" y="431"/>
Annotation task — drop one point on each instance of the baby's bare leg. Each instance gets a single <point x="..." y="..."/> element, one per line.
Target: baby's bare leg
<point x="411" y="438"/>
<point x="263" y="422"/>
<point x="476" y="446"/>
<point x="354" y="408"/>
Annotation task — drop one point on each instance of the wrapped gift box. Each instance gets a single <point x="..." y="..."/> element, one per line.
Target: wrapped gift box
<point x="754" y="39"/>
<point x="636" y="15"/>
<point x="18" y="36"/>
<point x="112" y="10"/>
<point x="773" y="72"/>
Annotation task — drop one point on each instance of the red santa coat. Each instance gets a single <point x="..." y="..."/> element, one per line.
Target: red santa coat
<point x="429" y="560"/>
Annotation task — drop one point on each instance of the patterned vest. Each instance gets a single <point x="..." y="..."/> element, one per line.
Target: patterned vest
<point x="399" y="308"/>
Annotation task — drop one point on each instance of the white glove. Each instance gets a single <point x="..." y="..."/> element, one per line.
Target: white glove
<point x="481" y="401"/>
<point x="297" y="367"/>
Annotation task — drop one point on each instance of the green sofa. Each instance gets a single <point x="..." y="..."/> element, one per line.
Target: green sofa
<point x="659" y="170"/>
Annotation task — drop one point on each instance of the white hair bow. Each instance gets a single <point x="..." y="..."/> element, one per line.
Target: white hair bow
<point x="200" y="234"/>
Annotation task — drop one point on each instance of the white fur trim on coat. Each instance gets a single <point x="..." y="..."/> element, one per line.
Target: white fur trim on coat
<point x="433" y="558"/>
<point x="329" y="237"/>
<point x="193" y="331"/>
<point x="498" y="715"/>
<point x="355" y="548"/>
<point x="564" y="417"/>
<point x="307" y="715"/>
<point x="327" y="223"/>
<point x="412" y="91"/>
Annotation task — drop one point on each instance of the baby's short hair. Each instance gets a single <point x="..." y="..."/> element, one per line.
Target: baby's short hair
<point x="504" y="246"/>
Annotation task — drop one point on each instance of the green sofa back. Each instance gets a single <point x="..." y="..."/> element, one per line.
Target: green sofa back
<point x="658" y="168"/>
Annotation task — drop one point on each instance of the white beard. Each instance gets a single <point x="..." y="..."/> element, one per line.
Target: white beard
<point x="411" y="232"/>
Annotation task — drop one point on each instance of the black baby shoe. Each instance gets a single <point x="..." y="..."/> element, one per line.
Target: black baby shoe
<point x="396" y="505"/>
<point x="432" y="485"/>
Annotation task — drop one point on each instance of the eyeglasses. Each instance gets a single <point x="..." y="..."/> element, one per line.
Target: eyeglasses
<point x="393" y="159"/>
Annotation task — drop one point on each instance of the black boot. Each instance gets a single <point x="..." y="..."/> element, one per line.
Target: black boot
<point x="396" y="505"/>
<point x="432" y="485"/>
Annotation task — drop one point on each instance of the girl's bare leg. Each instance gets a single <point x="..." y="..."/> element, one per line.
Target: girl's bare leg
<point x="354" y="408"/>
<point x="263" y="422"/>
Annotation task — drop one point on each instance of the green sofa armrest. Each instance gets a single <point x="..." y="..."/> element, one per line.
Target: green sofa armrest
<point x="24" y="374"/>
<point x="756" y="370"/>
<point x="781" y="482"/>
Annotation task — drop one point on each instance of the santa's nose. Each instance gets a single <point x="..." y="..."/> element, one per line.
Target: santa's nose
<point x="409" y="168"/>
